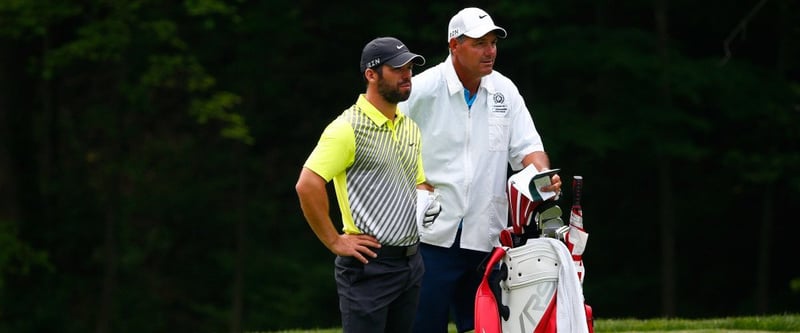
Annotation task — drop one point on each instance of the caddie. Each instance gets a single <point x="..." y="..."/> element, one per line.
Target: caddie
<point x="474" y="123"/>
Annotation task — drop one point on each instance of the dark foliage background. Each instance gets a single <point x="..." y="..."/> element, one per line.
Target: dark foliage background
<point x="149" y="150"/>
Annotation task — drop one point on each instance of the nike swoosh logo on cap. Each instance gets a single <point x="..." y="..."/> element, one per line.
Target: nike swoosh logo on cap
<point x="481" y="16"/>
<point x="400" y="46"/>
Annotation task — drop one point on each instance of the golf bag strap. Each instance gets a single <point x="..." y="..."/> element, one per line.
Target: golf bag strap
<point x="487" y="311"/>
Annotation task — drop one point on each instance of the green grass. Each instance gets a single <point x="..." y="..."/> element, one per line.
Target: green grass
<point x="775" y="323"/>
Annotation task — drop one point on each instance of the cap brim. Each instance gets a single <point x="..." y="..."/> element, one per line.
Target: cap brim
<point x="482" y="31"/>
<point x="404" y="58"/>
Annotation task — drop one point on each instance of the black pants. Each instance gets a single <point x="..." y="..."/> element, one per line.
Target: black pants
<point x="381" y="296"/>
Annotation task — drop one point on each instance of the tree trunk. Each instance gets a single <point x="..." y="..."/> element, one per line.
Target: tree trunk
<point x="667" y="206"/>
<point x="763" y="267"/>
<point x="105" y="310"/>
<point x="7" y="195"/>
<point x="238" y="279"/>
<point x="112" y="215"/>
<point x="18" y="113"/>
<point x="762" y="264"/>
<point x="667" y="229"/>
<point x="110" y="196"/>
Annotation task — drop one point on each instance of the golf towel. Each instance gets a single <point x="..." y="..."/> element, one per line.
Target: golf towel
<point x="570" y="311"/>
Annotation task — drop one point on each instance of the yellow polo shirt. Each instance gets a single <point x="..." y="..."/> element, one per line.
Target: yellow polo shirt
<point x="375" y="164"/>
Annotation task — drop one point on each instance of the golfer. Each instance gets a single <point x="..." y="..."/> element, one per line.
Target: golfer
<point x="372" y="152"/>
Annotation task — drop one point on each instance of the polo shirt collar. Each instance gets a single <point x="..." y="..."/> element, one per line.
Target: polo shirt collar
<point x="454" y="85"/>
<point x="374" y="114"/>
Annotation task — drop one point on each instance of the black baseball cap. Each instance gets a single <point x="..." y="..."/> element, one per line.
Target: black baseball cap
<point x="390" y="51"/>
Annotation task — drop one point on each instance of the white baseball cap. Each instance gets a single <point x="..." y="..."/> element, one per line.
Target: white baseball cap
<point x="472" y="22"/>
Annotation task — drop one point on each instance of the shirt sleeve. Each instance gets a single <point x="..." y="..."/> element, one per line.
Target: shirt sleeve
<point x="335" y="150"/>
<point x="420" y="169"/>
<point x="524" y="139"/>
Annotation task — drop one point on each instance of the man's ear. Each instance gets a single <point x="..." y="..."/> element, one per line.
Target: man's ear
<point x="370" y="74"/>
<point x="452" y="44"/>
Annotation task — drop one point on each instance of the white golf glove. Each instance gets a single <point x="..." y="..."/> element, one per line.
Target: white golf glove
<point x="428" y="207"/>
<point x="434" y="208"/>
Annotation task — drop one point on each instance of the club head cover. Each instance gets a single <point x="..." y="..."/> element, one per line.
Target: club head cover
<point x="521" y="209"/>
<point x="505" y="238"/>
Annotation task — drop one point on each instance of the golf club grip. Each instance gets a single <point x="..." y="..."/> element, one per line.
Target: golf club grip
<point x="577" y="188"/>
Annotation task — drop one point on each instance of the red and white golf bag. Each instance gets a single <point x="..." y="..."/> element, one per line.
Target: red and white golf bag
<point x="538" y="286"/>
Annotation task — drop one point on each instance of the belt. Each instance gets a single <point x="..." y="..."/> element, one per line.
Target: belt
<point x="387" y="251"/>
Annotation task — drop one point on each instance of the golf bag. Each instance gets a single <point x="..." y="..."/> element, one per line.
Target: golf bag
<point x="538" y="285"/>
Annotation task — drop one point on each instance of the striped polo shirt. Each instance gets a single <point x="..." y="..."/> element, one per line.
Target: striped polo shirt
<point x="375" y="165"/>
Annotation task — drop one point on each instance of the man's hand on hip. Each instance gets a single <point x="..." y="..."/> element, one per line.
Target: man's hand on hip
<point x="357" y="246"/>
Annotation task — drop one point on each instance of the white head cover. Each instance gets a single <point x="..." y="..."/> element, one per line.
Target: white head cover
<point x="472" y="22"/>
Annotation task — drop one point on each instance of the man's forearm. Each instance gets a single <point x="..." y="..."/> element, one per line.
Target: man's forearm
<point x="314" y="203"/>
<point x="539" y="159"/>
